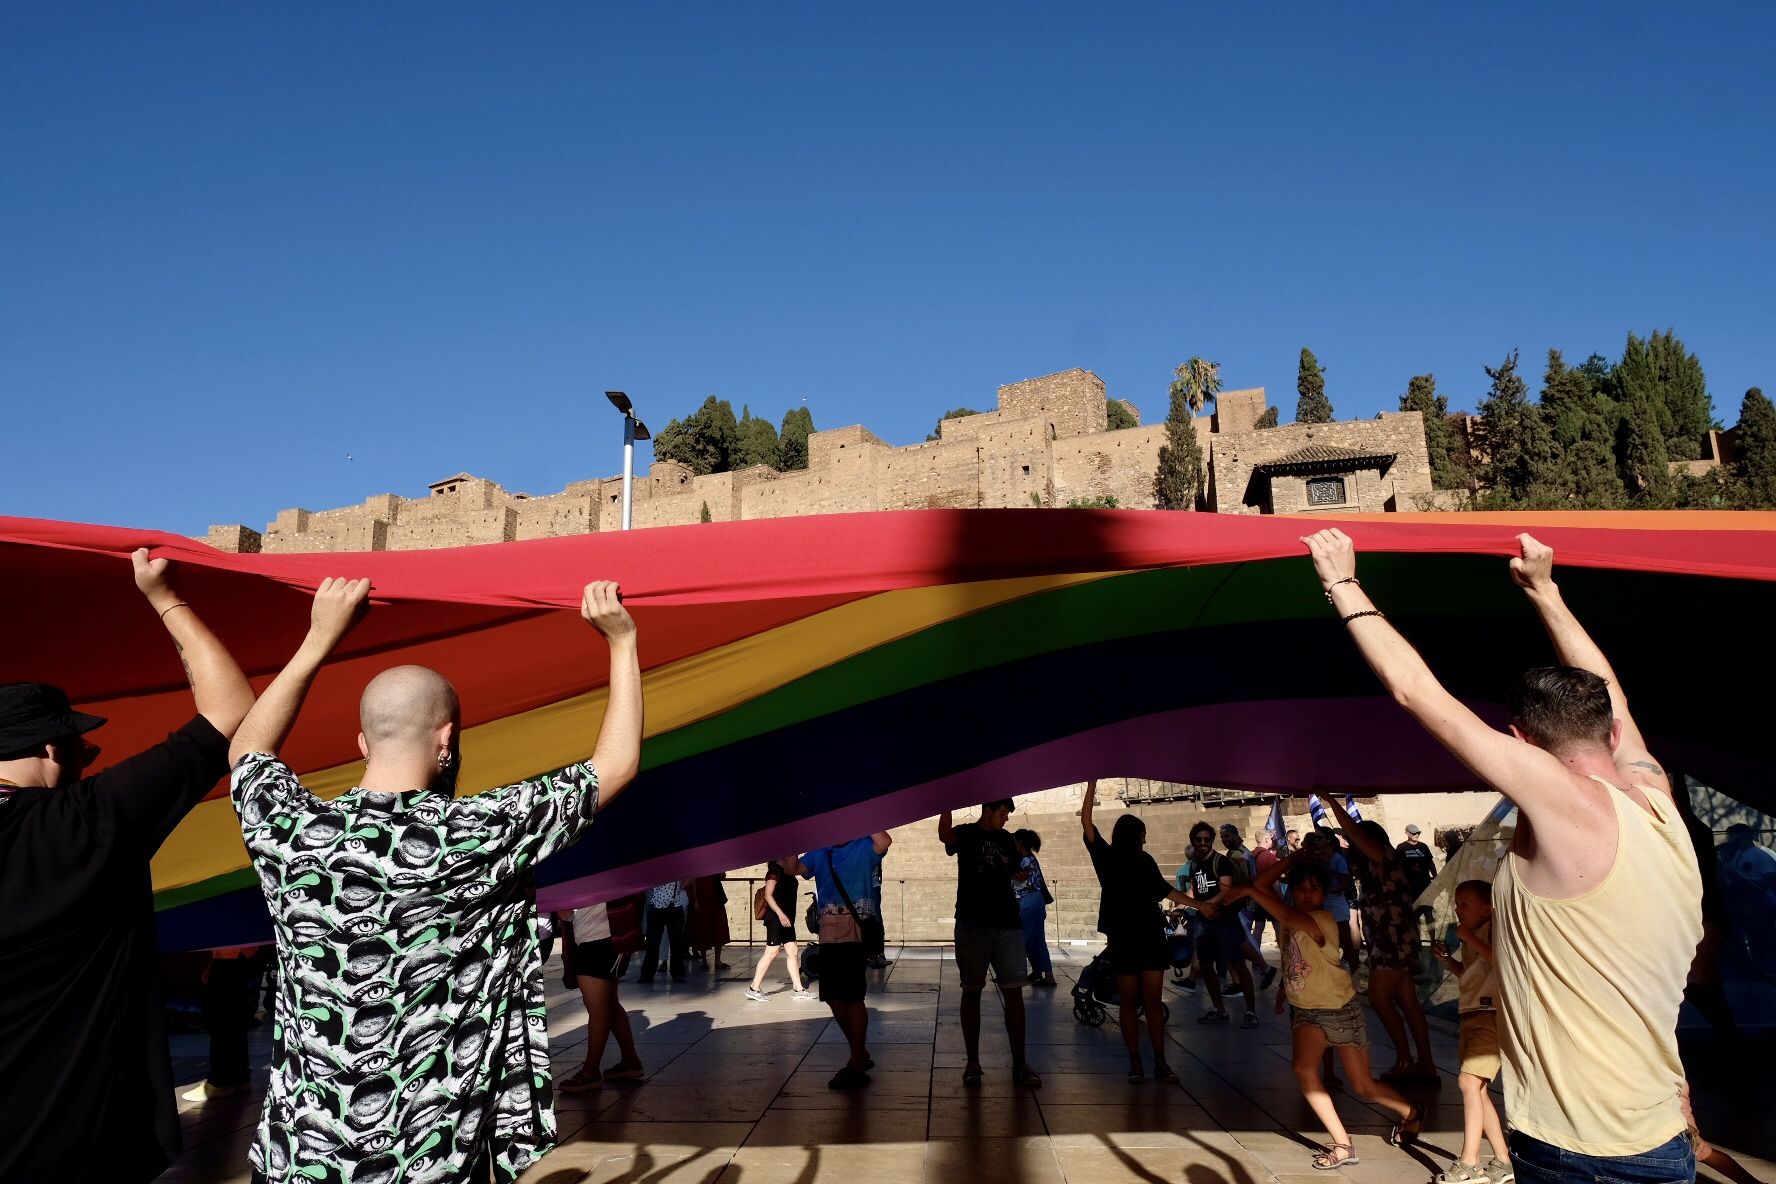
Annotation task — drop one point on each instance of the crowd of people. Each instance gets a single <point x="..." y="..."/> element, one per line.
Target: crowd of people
<point x="409" y="1029"/>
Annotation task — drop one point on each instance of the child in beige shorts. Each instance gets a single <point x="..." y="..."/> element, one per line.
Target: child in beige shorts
<point x="1479" y="1047"/>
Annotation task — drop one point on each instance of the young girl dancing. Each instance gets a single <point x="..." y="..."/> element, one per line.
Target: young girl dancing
<point x="1324" y="1010"/>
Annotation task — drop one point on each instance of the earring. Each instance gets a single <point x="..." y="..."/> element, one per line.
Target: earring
<point x="444" y="758"/>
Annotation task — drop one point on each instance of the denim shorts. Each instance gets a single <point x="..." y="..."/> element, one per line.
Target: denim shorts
<point x="1345" y="1027"/>
<point x="1536" y="1162"/>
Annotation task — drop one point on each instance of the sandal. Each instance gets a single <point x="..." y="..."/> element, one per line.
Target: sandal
<point x="586" y="1079"/>
<point x="1331" y="1158"/>
<point x="1164" y="1072"/>
<point x="848" y="1078"/>
<point x="622" y="1072"/>
<point x="1405" y="1132"/>
<point x="1028" y="1078"/>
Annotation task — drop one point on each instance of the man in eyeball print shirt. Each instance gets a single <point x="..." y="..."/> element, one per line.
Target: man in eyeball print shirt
<point x="409" y="1033"/>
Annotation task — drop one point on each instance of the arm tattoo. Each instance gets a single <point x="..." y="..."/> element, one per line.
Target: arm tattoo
<point x="1650" y="765"/>
<point x="190" y="680"/>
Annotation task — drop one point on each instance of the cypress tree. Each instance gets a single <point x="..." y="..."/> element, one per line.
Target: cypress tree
<point x="1267" y="420"/>
<point x="792" y="440"/>
<point x="1582" y="435"/>
<point x="1754" y="475"/>
<point x="1421" y="396"/>
<point x="1520" y="468"/>
<point x="1178" y="482"/>
<point x="1646" y="469"/>
<point x="1310" y="383"/>
<point x="704" y="516"/>
<point x="755" y="441"/>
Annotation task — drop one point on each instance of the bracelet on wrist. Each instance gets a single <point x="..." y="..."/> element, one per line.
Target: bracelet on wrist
<point x="1368" y="612"/>
<point x="1335" y="583"/>
<point x="169" y="608"/>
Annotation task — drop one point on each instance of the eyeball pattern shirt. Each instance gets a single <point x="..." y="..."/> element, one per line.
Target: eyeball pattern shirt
<point x="409" y="1030"/>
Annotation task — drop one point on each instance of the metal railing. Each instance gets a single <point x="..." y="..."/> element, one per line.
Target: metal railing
<point x="1140" y="791"/>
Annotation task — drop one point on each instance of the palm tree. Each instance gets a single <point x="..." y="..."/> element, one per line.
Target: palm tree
<point x="1199" y="381"/>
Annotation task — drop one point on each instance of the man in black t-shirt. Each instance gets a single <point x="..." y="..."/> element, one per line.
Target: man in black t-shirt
<point x="1220" y="940"/>
<point x="1417" y="860"/>
<point x="989" y="930"/>
<point x="85" y="1083"/>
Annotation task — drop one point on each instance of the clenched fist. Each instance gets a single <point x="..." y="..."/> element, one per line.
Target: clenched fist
<point x="602" y="607"/>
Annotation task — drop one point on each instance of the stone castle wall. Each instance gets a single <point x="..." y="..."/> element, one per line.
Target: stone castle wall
<point x="1046" y="444"/>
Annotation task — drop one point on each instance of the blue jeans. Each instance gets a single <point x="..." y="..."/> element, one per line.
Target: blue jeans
<point x="1537" y="1162"/>
<point x="1034" y="915"/>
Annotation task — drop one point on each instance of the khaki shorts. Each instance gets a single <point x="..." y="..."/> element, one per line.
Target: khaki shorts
<point x="978" y="947"/>
<point x="1478" y="1048"/>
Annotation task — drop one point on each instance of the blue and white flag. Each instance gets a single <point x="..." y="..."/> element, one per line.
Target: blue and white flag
<point x="1317" y="809"/>
<point x="1350" y="803"/>
<point x="1279" y="831"/>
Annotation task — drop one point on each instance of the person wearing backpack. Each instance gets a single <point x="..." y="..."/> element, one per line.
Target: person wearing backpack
<point x="841" y="876"/>
<point x="774" y="904"/>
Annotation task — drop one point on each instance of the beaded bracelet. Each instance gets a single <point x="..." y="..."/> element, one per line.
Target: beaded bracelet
<point x="1368" y="612"/>
<point x="1335" y="583"/>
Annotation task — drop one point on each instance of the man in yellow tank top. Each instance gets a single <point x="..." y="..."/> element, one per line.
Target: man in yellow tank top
<point x="1587" y="1004"/>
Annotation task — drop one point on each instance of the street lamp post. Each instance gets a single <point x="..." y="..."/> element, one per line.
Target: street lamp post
<point x="633" y="430"/>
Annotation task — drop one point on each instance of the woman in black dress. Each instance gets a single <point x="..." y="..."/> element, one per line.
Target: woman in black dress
<point x="780" y="932"/>
<point x="1129" y="916"/>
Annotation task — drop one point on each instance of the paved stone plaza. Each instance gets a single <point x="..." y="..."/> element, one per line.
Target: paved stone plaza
<point x="737" y="1094"/>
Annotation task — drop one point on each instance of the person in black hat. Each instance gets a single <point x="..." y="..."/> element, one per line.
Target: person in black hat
<point x="85" y="1083"/>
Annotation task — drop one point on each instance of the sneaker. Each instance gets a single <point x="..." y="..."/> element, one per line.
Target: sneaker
<point x="1188" y="982"/>
<point x="1250" y="1020"/>
<point x="802" y="996"/>
<point x="1462" y="1173"/>
<point x="1212" y="1017"/>
<point x="756" y="995"/>
<point x="1270" y="974"/>
<point x="1500" y="1171"/>
<point x="203" y="1091"/>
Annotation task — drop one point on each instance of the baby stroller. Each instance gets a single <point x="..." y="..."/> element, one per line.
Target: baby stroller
<point x="1182" y="949"/>
<point x="1095" y="993"/>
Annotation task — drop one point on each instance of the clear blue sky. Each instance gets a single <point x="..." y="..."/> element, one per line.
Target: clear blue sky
<point x="242" y="241"/>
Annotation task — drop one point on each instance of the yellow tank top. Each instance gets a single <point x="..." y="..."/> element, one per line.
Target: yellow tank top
<point x="1312" y="974"/>
<point x="1589" y="990"/>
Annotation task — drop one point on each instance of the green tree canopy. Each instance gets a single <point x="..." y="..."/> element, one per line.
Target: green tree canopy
<point x="704" y="515"/>
<point x="1198" y="381"/>
<point x="1646" y="471"/>
<point x="952" y="413"/>
<point x="1421" y="396"/>
<point x="1267" y="420"/>
<point x="792" y="439"/>
<point x="703" y="441"/>
<point x="755" y="441"/>
<point x="1664" y="372"/>
<point x="1520" y="460"/>
<point x="1581" y="422"/>
<point x="1310" y="383"/>
<point x="1117" y="417"/>
<point x="1754" y="475"/>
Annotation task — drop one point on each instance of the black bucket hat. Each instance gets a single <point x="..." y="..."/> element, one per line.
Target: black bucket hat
<point x="33" y="712"/>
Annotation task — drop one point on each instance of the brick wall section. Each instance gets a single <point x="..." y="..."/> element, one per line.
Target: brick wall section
<point x="1237" y="454"/>
<point x="1045" y="444"/>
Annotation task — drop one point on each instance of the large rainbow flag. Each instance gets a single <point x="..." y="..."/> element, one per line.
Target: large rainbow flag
<point x="812" y="679"/>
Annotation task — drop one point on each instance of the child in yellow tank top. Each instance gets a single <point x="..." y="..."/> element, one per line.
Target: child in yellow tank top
<point x="1324" y="1010"/>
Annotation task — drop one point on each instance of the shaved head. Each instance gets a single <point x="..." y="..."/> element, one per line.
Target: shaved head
<point x="403" y="707"/>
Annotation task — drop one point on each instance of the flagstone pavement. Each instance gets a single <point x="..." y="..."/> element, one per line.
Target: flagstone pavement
<point x="736" y="1094"/>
